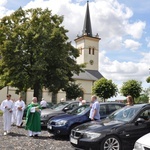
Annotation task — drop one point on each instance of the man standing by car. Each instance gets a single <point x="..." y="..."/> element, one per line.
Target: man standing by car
<point x="95" y="108"/>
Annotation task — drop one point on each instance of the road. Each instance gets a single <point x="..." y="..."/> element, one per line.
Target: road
<point x="18" y="140"/>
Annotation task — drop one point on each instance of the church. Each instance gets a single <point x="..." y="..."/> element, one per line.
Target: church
<point x="88" y="46"/>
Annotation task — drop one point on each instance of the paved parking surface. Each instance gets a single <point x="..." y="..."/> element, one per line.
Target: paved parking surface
<point x="18" y="140"/>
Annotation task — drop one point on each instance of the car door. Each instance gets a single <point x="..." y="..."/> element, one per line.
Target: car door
<point x="136" y="129"/>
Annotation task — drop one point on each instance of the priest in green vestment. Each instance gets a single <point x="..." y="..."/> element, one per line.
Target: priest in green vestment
<point x="33" y="123"/>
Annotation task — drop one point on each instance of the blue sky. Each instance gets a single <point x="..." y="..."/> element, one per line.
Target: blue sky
<point x="123" y="25"/>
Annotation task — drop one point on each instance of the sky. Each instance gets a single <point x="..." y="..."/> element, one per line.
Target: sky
<point x="122" y="25"/>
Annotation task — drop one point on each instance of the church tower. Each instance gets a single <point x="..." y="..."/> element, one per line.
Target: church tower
<point x="88" y="45"/>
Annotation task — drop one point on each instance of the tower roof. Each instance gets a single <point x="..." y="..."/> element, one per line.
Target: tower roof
<point x="87" y="29"/>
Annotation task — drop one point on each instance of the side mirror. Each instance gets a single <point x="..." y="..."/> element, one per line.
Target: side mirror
<point x="139" y="120"/>
<point x="66" y="109"/>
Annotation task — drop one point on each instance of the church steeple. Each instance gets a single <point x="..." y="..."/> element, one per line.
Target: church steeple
<point x="87" y="29"/>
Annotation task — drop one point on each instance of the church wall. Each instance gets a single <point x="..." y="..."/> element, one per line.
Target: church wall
<point x="87" y="88"/>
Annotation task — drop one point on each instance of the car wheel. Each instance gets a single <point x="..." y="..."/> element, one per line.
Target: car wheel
<point x="111" y="143"/>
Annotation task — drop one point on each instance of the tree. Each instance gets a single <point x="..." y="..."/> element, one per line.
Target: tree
<point x="131" y="87"/>
<point x="148" y="80"/>
<point x="104" y="88"/>
<point x="73" y="91"/>
<point x="143" y="98"/>
<point x="35" y="51"/>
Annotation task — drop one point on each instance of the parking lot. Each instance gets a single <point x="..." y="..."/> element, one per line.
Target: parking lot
<point x="18" y="140"/>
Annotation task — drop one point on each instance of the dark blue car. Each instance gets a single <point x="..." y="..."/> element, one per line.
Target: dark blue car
<point x="63" y="124"/>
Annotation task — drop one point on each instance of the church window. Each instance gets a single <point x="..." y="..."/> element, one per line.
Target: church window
<point x="93" y="51"/>
<point x="89" y="50"/>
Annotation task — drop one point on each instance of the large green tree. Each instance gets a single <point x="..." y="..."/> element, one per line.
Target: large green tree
<point x="131" y="87"/>
<point x="35" y="51"/>
<point x="104" y="88"/>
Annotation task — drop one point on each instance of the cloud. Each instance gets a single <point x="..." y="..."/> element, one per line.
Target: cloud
<point x="114" y="24"/>
<point x="3" y="10"/>
<point x="136" y="29"/>
<point x="123" y="71"/>
<point x="131" y="44"/>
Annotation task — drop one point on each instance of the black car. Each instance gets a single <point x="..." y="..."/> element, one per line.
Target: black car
<point x="118" y="131"/>
<point x="58" y="109"/>
<point x="62" y="124"/>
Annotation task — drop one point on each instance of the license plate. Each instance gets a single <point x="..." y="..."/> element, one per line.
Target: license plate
<point x="74" y="141"/>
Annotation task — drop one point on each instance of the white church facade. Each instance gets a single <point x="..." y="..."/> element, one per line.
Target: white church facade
<point x="88" y="46"/>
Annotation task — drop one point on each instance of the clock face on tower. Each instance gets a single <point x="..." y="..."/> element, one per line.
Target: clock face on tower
<point x="91" y="62"/>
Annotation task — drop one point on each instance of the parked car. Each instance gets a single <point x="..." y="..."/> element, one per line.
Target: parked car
<point x="118" y="131"/>
<point x="49" y="105"/>
<point x="62" y="124"/>
<point x="143" y="143"/>
<point x="58" y="109"/>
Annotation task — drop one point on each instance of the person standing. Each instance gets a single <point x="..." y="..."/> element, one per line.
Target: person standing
<point x="43" y="103"/>
<point x="33" y="123"/>
<point x="95" y="108"/>
<point x="20" y="106"/>
<point x="129" y="100"/>
<point x="80" y="101"/>
<point x="7" y="108"/>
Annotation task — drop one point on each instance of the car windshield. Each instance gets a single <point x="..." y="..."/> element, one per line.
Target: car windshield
<point x="125" y="114"/>
<point x="80" y="110"/>
<point x="59" y="106"/>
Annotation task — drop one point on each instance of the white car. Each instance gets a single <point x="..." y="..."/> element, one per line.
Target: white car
<point x="143" y="143"/>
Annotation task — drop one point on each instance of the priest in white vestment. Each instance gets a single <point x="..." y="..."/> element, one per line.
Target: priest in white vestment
<point x="20" y="106"/>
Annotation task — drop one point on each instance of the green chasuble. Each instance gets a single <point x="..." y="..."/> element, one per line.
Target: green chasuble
<point x="33" y="122"/>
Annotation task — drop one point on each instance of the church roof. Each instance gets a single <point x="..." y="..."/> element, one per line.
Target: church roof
<point x="95" y="73"/>
<point x="92" y="75"/>
<point x="87" y="29"/>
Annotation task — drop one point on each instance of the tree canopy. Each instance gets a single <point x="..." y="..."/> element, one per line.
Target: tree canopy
<point x="73" y="91"/>
<point x="35" y="51"/>
<point x="131" y="87"/>
<point x="104" y="88"/>
<point x="148" y="79"/>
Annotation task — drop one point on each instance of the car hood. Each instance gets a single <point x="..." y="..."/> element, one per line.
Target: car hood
<point x="98" y="126"/>
<point x="144" y="140"/>
<point x="50" y="111"/>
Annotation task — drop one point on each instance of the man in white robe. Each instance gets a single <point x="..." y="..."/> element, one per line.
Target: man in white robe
<point x="20" y="106"/>
<point x="7" y="108"/>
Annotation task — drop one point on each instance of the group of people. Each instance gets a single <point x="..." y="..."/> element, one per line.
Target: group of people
<point x="33" y="125"/>
<point x="95" y="106"/>
<point x="13" y="114"/>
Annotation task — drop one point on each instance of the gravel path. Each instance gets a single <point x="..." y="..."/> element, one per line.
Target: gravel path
<point x="18" y="140"/>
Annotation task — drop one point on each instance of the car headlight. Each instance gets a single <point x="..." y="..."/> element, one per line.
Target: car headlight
<point x="137" y="146"/>
<point x="61" y="123"/>
<point x="92" y="135"/>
